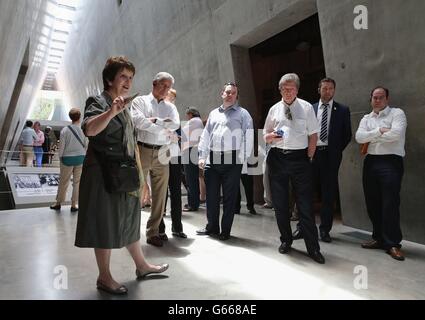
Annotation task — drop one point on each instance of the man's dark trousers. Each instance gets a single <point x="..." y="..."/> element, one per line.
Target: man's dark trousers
<point x="382" y="175"/>
<point x="174" y="184"/>
<point x="223" y="171"/>
<point x="326" y="178"/>
<point x="191" y="171"/>
<point x="327" y="161"/>
<point x="248" y="185"/>
<point x="294" y="167"/>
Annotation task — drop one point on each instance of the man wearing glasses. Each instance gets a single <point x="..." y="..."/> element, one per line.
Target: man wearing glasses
<point x="291" y="128"/>
<point x="225" y="144"/>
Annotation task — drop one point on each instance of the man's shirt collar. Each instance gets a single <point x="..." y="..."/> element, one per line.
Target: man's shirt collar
<point x="384" y="112"/>
<point x="221" y="108"/>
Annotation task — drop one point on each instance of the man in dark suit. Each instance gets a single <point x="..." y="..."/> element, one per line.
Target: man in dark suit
<point x="334" y="136"/>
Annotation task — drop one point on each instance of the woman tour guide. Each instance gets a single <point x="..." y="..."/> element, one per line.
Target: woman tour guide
<point x="109" y="217"/>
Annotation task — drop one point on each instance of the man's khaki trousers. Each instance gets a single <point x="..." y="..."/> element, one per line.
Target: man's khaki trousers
<point x="155" y="163"/>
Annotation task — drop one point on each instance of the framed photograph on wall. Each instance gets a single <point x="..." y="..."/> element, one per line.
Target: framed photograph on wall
<point x="34" y="186"/>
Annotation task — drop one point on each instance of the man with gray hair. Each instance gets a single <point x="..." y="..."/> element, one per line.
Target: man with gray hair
<point x="291" y="128"/>
<point x="155" y="120"/>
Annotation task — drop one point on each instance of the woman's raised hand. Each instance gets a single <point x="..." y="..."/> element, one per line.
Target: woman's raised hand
<point x="118" y="105"/>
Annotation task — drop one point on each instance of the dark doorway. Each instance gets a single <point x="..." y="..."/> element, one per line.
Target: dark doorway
<point x="297" y="49"/>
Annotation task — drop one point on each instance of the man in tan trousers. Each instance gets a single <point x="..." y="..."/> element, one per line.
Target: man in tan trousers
<point x="155" y="121"/>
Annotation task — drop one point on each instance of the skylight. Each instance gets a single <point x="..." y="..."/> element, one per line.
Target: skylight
<point x="54" y="36"/>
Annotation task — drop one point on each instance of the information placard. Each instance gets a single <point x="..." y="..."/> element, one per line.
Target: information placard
<point x="31" y="185"/>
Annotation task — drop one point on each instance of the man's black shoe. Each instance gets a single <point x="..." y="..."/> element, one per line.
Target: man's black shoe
<point x="180" y="234"/>
<point x="189" y="209"/>
<point x="224" y="236"/>
<point x="56" y="207"/>
<point x="237" y="212"/>
<point x="285" y="247"/>
<point x="297" y="234"/>
<point x="317" y="256"/>
<point x="325" y="237"/>
<point x="205" y="232"/>
<point x="252" y="210"/>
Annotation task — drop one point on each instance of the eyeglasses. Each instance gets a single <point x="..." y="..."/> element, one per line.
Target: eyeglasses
<point x="163" y="85"/>
<point x="231" y="84"/>
<point x="288" y="113"/>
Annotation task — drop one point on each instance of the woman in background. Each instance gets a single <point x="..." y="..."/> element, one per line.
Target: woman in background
<point x="38" y="149"/>
<point x="72" y="150"/>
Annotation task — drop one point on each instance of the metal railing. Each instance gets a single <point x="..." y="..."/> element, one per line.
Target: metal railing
<point x="14" y="159"/>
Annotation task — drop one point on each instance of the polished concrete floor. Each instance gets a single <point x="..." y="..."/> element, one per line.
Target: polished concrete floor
<point x="39" y="261"/>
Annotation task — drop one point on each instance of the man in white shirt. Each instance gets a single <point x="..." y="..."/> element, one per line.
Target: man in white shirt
<point x="291" y="128"/>
<point x="155" y="121"/>
<point x="384" y="130"/>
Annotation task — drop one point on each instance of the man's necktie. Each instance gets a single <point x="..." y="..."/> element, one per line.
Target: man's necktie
<point x="324" y="124"/>
<point x="288" y="113"/>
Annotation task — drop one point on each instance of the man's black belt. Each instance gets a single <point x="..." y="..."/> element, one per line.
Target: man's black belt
<point x="321" y="148"/>
<point x="290" y="151"/>
<point x="224" y="157"/>
<point x="225" y="152"/>
<point x="149" y="146"/>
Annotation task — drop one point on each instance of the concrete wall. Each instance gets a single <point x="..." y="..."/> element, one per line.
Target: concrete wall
<point x="389" y="53"/>
<point x="21" y="30"/>
<point x="192" y="39"/>
<point x="205" y="43"/>
<point x="156" y="35"/>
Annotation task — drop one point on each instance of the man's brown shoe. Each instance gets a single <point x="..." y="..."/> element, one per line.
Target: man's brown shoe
<point x="163" y="236"/>
<point x="396" y="253"/>
<point x="155" y="241"/>
<point x="373" y="244"/>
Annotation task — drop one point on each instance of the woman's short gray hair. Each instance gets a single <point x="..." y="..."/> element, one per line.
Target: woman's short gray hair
<point x="289" y="77"/>
<point x="163" y="76"/>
